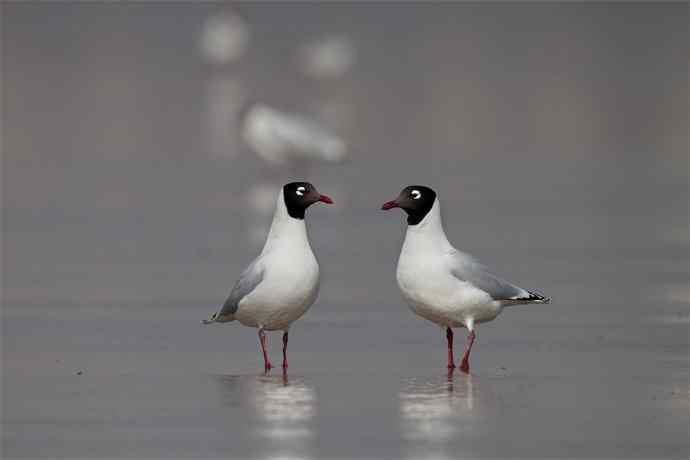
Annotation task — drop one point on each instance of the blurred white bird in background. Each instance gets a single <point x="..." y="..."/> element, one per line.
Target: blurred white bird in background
<point x="279" y="137"/>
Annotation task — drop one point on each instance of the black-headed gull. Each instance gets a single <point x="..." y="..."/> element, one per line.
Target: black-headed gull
<point x="282" y="283"/>
<point x="442" y="284"/>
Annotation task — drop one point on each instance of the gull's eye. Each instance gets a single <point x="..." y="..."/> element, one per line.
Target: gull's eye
<point x="416" y="194"/>
<point x="300" y="190"/>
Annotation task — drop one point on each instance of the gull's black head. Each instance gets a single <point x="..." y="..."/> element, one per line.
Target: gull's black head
<point x="415" y="200"/>
<point x="299" y="196"/>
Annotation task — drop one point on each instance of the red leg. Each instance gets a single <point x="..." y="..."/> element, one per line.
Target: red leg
<point x="262" y="340"/>
<point x="285" y="341"/>
<point x="465" y="366"/>
<point x="449" y="336"/>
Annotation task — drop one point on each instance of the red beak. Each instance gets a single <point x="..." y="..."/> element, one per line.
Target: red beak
<point x="390" y="205"/>
<point x="325" y="199"/>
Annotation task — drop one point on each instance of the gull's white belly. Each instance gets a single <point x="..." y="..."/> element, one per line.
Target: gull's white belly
<point x="439" y="297"/>
<point x="285" y="294"/>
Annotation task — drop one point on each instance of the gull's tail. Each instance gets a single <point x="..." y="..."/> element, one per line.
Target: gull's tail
<point x="216" y="318"/>
<point x="211" y="320"/>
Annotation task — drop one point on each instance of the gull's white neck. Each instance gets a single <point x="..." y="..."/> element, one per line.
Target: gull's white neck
<point x="285" y="230"/>
<point x="428" y="234"/>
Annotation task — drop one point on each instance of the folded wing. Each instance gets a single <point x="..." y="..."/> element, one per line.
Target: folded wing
<point x="468" y="269"/>
<point x="248" y="282"/>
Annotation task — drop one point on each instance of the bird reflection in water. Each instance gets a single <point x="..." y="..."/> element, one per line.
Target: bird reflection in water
<point x="433" y="411"/>
<point x="279" y="410"/>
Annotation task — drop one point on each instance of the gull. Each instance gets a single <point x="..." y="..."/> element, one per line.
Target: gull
<point x="279" y="137"/>
<point x="442" y="284"/>
<point x="280" y="285"/>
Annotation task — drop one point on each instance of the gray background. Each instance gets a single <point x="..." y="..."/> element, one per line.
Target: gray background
<point x="555" y="134"/>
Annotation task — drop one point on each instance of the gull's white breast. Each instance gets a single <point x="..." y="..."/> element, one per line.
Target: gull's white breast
<point x="289" y="287"/>
<point x="428" y="285"/>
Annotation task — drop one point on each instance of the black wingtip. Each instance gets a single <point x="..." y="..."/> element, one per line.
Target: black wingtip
<point x="533" y="297"/>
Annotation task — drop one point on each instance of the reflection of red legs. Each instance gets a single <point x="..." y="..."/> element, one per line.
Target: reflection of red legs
<point x="449" y="336"/>
<point x="465" y="366"/>
<point x="285" y="340"/>
<point x="262" y="339"/>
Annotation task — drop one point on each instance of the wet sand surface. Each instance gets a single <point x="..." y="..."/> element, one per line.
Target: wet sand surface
<point x="559" y="388"/>
<point x="120" y="232"/>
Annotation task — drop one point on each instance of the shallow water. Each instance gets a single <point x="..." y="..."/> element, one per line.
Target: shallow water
<point x="152" y="388"/>
<point x="122" y="229"/>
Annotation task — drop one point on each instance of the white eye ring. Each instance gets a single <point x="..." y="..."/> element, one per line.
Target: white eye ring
<point x="300" y="190"/>
<point x="416" y="194"/>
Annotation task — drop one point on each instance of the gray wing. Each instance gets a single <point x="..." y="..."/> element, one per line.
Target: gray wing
<point x="249" y="280"/>
<point x="469" y="269"/>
